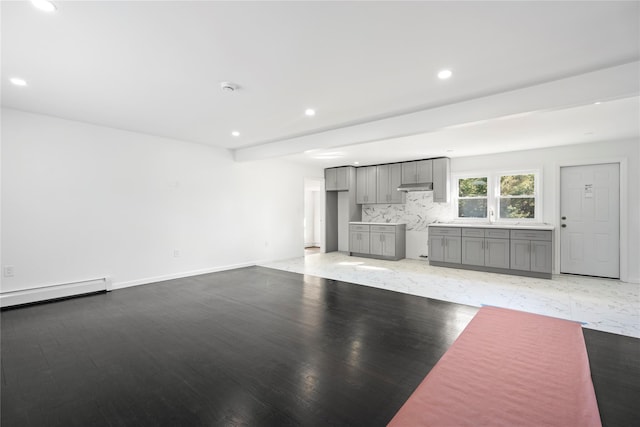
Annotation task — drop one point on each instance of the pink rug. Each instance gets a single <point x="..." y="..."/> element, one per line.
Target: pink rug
<point x="508" y="368"/>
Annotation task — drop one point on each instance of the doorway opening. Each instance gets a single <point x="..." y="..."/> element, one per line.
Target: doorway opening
<point x="313" y="220"/>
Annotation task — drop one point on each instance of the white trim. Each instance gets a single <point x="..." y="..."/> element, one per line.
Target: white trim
<point x="538" y="210"/>
<point x="148" y="280"/>
<point x="51" y="292"/>
<point x="493" y="198"/>
<point x="624" y="220"/>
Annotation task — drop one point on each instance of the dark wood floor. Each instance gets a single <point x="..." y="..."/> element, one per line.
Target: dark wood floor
<point x="254" y="347"/>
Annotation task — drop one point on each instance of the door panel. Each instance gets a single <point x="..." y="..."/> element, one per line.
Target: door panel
<point x="436" y="248"/>
<point x="520" y="255"/>
<point x="541" y="256"/>
<point x="496" y="253"/>
<point x="590" y="234"/>
<point x="473" y="250"/>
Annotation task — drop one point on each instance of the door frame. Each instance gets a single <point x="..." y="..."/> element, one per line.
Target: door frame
<point x="319" y="183"/>
<point x="624" y="220"/>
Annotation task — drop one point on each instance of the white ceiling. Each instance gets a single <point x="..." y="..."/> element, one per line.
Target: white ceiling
<point x="155" y="67"/>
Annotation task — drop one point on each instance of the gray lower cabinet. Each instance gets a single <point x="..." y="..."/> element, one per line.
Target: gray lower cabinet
<point x="445" y="245"/>
<point x="359" y="239"/>
<point x="521" y="252"/>
<point x="481" y="250"/>
<point x="381" y="241"/>
<point x="531" y="250"/>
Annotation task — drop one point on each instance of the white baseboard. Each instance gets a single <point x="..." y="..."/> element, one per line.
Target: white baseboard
<point x="43" y="293"/>
<point x="147" y="280"/>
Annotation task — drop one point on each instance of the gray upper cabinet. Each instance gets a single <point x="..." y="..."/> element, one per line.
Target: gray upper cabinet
<point x="417" y="172"/>
<point x="337" y="179"/>
<point x="366" y="184"/>
<point x="441" y="172"/>
<point x="389" y="179"/>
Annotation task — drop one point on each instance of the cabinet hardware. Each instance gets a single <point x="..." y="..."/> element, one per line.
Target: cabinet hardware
<point x="564" y="226"/>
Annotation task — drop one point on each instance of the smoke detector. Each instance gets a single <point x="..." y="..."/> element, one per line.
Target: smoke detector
<point x="228" y="86"/>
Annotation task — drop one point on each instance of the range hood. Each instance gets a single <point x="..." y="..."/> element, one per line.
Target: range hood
<point x="424" y="186"/>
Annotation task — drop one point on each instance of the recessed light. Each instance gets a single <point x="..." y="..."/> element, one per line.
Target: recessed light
<point x="444" y="74"/>
<point x="44" y="5"/>
<point x="18" y="81"/>
<point x="597" y="103"/>
<point x="235" y="133"/>
<point x="309" y="112"/>
<point x="356" y="163"/>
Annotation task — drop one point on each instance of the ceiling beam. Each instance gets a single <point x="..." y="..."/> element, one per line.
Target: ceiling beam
<point x="601" y="85"/>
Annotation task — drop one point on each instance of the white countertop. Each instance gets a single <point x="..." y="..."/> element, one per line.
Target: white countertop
<point x="376" y="223"/>
<point x="516" y="225"/>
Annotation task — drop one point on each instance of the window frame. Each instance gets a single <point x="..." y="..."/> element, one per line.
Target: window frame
<point x="457" y="197"/>
<point x="493" y="195"/>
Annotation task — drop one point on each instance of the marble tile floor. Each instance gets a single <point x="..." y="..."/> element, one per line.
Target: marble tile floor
<point x="602" y="304"/>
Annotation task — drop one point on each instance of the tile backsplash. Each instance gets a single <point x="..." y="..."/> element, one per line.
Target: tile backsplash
<point x="418" y="212"/>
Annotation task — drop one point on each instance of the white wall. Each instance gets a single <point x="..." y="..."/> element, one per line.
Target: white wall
<point x="81" y="201"/>
<point x="549" y="161"/>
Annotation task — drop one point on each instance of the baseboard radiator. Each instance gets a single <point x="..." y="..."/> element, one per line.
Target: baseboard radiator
<point x="44" y="293"/>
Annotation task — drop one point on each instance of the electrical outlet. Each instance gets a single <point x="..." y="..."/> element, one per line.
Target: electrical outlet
<point x="176" y="253"/>
<point x="8" y="271"/>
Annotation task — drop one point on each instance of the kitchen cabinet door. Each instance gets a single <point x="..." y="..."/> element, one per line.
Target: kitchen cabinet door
<point x="436" y="248"/>
<point x="389" y="179"/>
<point x="496" y="253"/>
<point x="441" y="178"/>
<point x="383" y="244"/>
<point x="453" y="249"/>
<point x="342" y="178"/>
<point x="366" y="184"/>
<point x="359" y="242"/>
<point x="330" y="183"/>
<point x="395" y="180"/>
<point x="541" y="256"/>
<point x="415" y="172"/>
<point x="409" y="173"/>
<point x="520" y="258"/>
<point x="337" y="179"/>
<point x="424" y="171"/>
<point x="473" y="250"/>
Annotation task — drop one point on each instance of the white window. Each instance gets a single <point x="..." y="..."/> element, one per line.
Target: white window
<point x="472" y="197"/>
<point x="517" y="196"/>
<point x="499" y="196"/>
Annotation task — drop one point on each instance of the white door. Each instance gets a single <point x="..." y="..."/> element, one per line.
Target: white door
<point x="590" y="220"/>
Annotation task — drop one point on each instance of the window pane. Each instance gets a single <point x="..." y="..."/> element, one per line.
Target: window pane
<point x="518" y="208"/>
<point x="472" y="208"/>
<point x="517" y="185"/>
<point x="472" y="187"/>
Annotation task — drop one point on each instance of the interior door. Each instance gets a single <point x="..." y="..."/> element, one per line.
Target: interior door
<point x="590" y="220"/>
